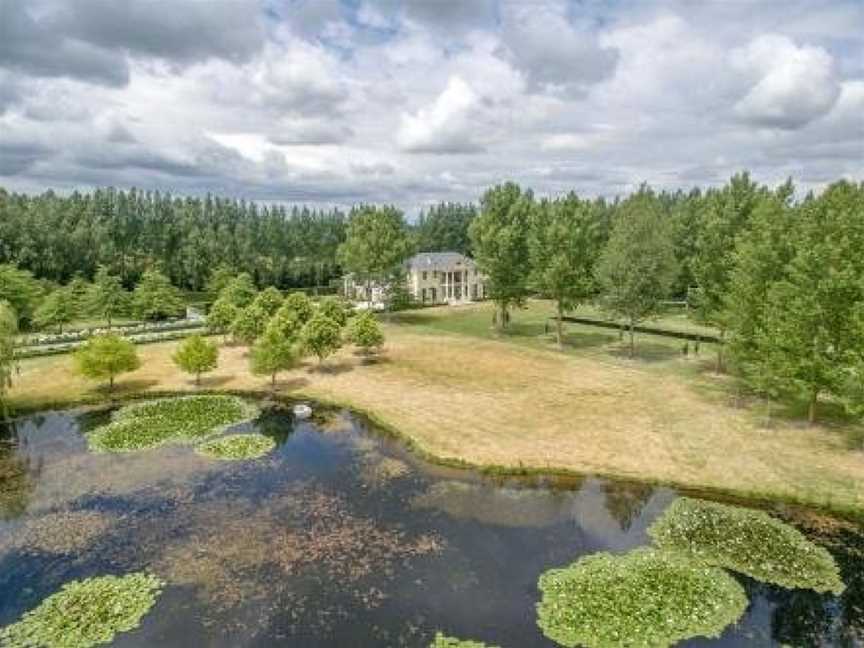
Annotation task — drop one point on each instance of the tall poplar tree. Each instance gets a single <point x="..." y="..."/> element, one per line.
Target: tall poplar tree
<point x="638" y="268"/>
<point x="564" y="243"/>
<point x="499" y="239"/>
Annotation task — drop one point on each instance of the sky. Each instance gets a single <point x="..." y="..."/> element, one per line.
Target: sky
<point x="412" y="102"/>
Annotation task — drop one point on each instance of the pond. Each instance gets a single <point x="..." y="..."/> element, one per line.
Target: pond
<point x="339" y="537"/>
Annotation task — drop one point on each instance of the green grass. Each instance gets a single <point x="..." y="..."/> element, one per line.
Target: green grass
<point x="746" y="541"/>
<point x="85" y="613"/>
<point x="643" y="598"/>
<point x="170" y="420"/>
<point x="237" y="447"/>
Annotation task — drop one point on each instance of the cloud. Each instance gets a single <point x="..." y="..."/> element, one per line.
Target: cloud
<point x="554" y="53"/>
<point x="793" y="85"/>
<point x="446" y="126"/>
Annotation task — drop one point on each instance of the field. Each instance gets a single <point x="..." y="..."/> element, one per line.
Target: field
<point x="461" y="391"/>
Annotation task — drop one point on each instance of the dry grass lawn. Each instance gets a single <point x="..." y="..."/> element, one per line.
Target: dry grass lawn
<point x="492" y="402"/>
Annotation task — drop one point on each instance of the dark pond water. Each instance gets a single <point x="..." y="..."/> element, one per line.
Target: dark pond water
<point x="340" y="538"/>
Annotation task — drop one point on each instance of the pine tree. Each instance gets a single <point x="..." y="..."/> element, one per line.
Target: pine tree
<point x="156" y="298"/>
<point x="106" y="296"/>
<point x="56" y="309"/>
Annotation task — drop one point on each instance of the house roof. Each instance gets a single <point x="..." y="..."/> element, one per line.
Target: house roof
<point x="438" y="260"/>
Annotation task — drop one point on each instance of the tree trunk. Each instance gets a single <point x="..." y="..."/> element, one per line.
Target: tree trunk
<point x="559" y="328"/>
<point x="720" y="365"/>
<point x="273" y="381"/>
<point x="109" y="322"/>
<point x="502" y="317"/>
<point x="198" y="379"/>
<point x="811" y="413"/>
<point x="632" y="340"/>
<point x="111" y="384"/>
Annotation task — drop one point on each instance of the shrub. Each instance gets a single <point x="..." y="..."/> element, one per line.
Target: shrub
<point x="746" y="541"/>
<point x="86" y="613"/>
<point x="237" y="446"/>
<point x="106" y="356"/>
<point x="366" y="334"/>
<point x="196" y="356"/>
<point x="643" y="598"/>
<point x="170" y="420"/>
<point x="269" y="300"/>
<point x="442" y="641"/>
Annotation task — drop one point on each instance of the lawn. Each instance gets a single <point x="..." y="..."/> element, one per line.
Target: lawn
<point x="461" y="391"/>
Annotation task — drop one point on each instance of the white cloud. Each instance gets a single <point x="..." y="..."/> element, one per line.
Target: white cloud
<point x="793" y="85"/>
<point x="446" y="126"/>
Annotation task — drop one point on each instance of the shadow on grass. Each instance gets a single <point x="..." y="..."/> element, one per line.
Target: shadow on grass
<point x="126" y="387"/>
<point x="646" y="352"/>
<point x="330" y="368"/>
<point x="212" y="382"/>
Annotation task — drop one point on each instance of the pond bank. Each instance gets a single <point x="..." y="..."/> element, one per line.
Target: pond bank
<point x="506" y="409"/>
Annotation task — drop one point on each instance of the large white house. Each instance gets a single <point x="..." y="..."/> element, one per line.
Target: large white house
<point x="430" y="278"/>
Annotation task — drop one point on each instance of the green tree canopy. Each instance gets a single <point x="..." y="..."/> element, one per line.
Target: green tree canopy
<point x="333" y="308"/>
<point x="56" y="309"/>
<point x="564" y="242"/>
<point x="8" y="329"/>
<point x="499" y="238"/>
<point x="20" y="290"/>
<point x="196" y="355"/>
<point x="300" y="304"/>
<point x="376" y="243"/>
<point x="637" y="268"/>
<point x="322" y="337"/>
<point x="240" y="291"/>
<point x="444" y="228"/>
<point x="221" y="316"/>
<point x="286" y="322"/>
<point x="366" y="333"/>
<point x="269" y="300"/>
<point x="106" y="356"/>
<point x="219" y="278"/>
<point x="155" y="298"/>
<point x="273" y="352"/>
<point x="249" y="324"/>
<point x="106" y="297"/>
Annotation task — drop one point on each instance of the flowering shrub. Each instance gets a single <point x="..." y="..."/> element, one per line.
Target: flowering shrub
<point x="746" y="541"/>
<point x="169" y="420"/>
<point x="643" y="598"/>
<point x="237" y="446"/>
<point x="86" y="613"/>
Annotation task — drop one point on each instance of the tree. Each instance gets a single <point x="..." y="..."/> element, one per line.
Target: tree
<point x="196" y="355"/>
<point x="249" y="324"/>
<point x="637" y="268"/>
<point x="106" y="297"/>
<point x="376" y="243"/>
<point x="811" y="336"/>
<point x="221" y="316"/>
<point x="500" y="244"/>
<point x="726" y="215"/>
<point x="8" y="330"/>
<point x="564" y="241"/>
<point x="240" y="291"/>
<point x="300" y="305"/>
<point x="156" y="298"/>
<point x="273" y="352"/>
<point x="106" y="356"/>
<point x="219" y="278"/>
<point x="334" y="309"/>
<point x="322" y="337"/>
<point x="269" y="300"/>
<point x="285" y="320"/>
<point x="444" y="228"/>
<point x="20" y="290"/>
<point x="366" y="333"/>
<point x="57" y="309"/>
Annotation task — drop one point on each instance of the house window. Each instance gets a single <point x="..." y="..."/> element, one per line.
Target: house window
<point x="434" y="274"/>
<point x="424" y="276"/>
<point x="424" y="294"/>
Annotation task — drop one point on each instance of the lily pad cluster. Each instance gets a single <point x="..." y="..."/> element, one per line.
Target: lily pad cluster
<point x="236" y="447"/>
<point x="679" y="589"/>
<point x="442" y="641"/>
<point x="746" y="541"/>
<point x="85" y="613"/>
<point x="169" y="420"/>
<point x="646" y="597"/>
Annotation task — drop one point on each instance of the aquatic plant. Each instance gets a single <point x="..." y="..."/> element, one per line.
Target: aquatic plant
<point x="85" y="613"/>
<point x="60" y="532"/>
<point x="746" y="541"/>
<point x="169" y="420"/>
<point x="442" y="641"/>
<point x="643" y="598"/>
<point x="237" y="446"/>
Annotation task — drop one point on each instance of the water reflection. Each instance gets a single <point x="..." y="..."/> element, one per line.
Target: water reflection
<point x="340" y="538"/>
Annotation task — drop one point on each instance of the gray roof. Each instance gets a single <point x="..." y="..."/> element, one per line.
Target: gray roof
<point x="438" y="260"/>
